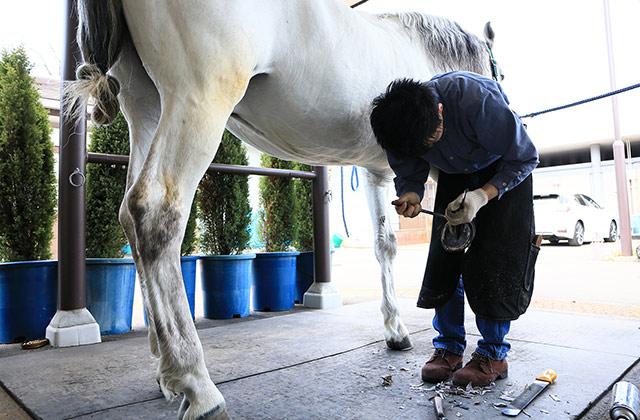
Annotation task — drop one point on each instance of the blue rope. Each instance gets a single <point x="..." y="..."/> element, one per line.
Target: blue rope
<point x="354" y="173"/>
<point x="344" y="219"/>
<point x="584" y="101"/>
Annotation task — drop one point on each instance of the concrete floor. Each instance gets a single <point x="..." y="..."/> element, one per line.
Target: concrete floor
<point x="306" y="364"/>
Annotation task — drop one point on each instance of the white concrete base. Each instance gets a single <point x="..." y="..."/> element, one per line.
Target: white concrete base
<point x="73" y="328"/>
<point x="322" y="296"/>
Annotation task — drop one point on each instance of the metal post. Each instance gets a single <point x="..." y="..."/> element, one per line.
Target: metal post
<point x="618" y="149"/>
<point x="321" y="245"/>
<point x="71" y="209"/>
<point x="321" y="294"/>
<point x="596" y="173"/>
<point x="72" y="325"/>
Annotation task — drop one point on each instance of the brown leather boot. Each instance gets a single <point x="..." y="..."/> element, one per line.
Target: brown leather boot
<point x="441" y="365"/>
<point x="481" y="371"/>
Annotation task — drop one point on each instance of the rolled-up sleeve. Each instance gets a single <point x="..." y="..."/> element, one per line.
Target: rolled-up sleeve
<point x="500" y="131"/>
<point x="411" y="174"/>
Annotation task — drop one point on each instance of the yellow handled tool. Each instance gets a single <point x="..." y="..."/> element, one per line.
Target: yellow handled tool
<point x="532" y="391"/>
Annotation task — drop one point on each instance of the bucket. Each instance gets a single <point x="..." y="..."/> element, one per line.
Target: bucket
<point x="226" y="285"/>
<point x="274" y="281"/>
<point x="110" y="287"/>
<point x="28" y="299"/>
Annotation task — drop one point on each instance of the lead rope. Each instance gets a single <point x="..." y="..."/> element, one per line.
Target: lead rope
<point x="584" y="101"/>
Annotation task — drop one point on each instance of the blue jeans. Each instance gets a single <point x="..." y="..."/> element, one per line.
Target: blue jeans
<point x="449" y="322"/>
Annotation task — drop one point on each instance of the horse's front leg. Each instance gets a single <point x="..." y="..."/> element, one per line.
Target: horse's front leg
<point x="385" y="245"/>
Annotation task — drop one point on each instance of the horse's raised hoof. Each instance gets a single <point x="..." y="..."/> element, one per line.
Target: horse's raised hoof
<point x="402" y="345"/>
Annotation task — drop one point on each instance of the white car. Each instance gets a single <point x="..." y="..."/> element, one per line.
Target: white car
<point x="577" y="218"/>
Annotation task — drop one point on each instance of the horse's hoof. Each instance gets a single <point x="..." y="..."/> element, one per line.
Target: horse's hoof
<point x="218" y="413"/>
<point x="403" y="345"/>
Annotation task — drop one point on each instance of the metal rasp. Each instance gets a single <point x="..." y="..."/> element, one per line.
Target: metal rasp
<point x="531" y="391"/>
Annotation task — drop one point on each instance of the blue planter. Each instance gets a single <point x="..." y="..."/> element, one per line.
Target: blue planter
<point x="110" y="287"/>
<point x="226" y="285"/>
<point x="275" y="281"/>
<point x="304" y="273"/>
<point x="188" y="269"/>
<point x="28" y="299"/>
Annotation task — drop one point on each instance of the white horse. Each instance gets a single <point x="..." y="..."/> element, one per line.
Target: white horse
<point x="293" y="78"/>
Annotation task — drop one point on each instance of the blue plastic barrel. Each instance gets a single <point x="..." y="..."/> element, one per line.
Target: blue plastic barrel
<point x="226" y="285"/>
<point x="274" y="281"/>
<point x="110" y="288"/>
<point x="188" y="266"/>
<point x="28" y="299"/>
<point x="304" y="274"/>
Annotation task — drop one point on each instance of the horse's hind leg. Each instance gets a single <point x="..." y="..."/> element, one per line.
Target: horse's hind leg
<point x="140" y="104"/>
<point x="395" y="333"/>
<point x="157" y="207"/>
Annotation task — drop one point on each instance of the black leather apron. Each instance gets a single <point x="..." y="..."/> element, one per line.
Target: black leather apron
<point x="498" y="268"/>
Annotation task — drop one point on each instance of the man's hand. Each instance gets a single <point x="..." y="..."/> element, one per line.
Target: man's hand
<point x="408" y="205"/>
<point x="473" y="201"/>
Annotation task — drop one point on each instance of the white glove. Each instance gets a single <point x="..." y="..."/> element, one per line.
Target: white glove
<point x="473" y="201"/>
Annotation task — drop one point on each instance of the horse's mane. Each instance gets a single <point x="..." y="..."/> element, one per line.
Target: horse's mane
<point x="450" y="46"/>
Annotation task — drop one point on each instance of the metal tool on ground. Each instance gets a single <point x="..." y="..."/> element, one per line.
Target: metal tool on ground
<point x="530" y="392"/>
<point x="626" y="402"/>
<point x="438" y="405"/>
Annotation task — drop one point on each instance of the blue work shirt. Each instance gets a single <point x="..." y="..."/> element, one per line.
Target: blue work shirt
<point x="479" y="128"/>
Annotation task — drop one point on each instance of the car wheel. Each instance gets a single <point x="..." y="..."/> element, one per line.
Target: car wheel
<point x="613" y="232"/>
<point x="578" y="235"/>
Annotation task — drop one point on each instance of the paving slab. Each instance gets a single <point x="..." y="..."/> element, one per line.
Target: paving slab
<point x="327" y="364"/>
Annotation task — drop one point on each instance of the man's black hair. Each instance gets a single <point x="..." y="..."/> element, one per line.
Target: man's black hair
<point x="404" y="117"/>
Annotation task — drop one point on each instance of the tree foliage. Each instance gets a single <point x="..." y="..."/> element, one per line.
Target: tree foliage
<point x="224" y="209"/>
<point x="106" y="185"/>
<point x="277" y="225"/>
<point x="27" y="174"/>
<point x="304" y="210"/>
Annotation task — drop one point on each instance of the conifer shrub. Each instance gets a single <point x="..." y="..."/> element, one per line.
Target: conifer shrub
<point x="27" y="174"/>
<point x="304" y="210"/>
<point x="277" y="224"/>
<point x="106" y="185"/>
<point x="224" y="209"/>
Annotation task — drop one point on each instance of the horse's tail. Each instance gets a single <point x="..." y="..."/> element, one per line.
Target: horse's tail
<point x="100" y="32"/>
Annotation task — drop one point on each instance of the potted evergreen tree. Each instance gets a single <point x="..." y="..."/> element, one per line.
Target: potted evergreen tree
<point x="275" y="269"/>
<point x="110" y="277"/>
<point x="28" y="281"/>
<point x="225" y="213"/>
<point x="304" y="232"/>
